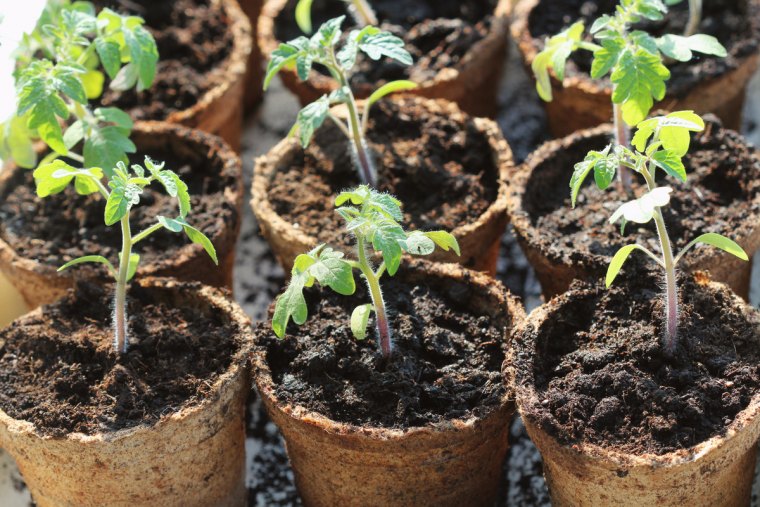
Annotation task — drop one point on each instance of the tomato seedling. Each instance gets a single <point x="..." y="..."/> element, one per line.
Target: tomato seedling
<point x="659" y="143"/>
<point x="633" y="59"/>
<point x="59" y="71"/>
<point x="322" y="49"/>
<point x="121" y="193"/>
<point x="373" y="219"/>
<point x="60" y="67"/>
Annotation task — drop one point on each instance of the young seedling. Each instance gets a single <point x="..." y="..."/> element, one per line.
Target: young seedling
<point x="322" y="49"/>
<point x="60" y="67"/>
<point x="659" y="143"/>
<point x="373" y="219"/>
<point x="121" y="193"/>
<point x="632" y="58"/>
<point x="360" y="9"/>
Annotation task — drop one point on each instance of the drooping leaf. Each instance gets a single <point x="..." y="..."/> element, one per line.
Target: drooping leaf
<point x="388" y="88"/>
<point x="617" y="263"/>
<point x="303" y="15"/>
<point x="360" y="319"/>
<point x="99" y="259"/>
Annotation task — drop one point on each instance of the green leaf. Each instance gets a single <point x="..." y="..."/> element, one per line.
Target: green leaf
<point x="303" y="15"/>
<point x="85" y="180"/>
<point x="378" y="45"/>
<point x="311" y="117"/>
<point x="671" y="163"/>
<point x="134" y="262"/>
<point x="417" y="243"/>
<point x="109" y="54"/>
<point x="606" y="57"/>
<point x="331" y="270"/>
<point x="90" y="258"/>
<point x="170" y="224"/>
<point x="126" y="78"/>
<point x="617" y="263"/>
<point x="680" y="48"/>
<point x="290" y="304"/>
<point x="444" y="240"/>
<point x="581" y="170"/>
<point x="604" y="170"/>
<point x="199" y="238"/>
<point x="93" y="83"/>
<point x="17" y="143"/>
<point x="554" y="56"/>
<point x="359" y="320"/>
<point x="284" y="55"/>
<point x="143" y="53"/>
<point x="48" y="182"/>
<point x="388" y="88"/>
<point x="642" y="210"/>
<point x="329" y="33"/>
<point x="107" y="146"/>
<point x="639" y="79"/>
<point x="123" y="196"/>
<point x="387" y="237"/>
<point x="721" y="242"/>
<point x="116" y="116"/>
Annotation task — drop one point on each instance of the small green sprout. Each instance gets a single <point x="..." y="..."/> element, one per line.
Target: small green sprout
<point x="360" y="9"/>
<point x="373" y="219"/>
<point x="633" y="59"/>
<point x="320" y="49"/>
<point x="77" y="47"/>
<point x="659" y="143"/>
<point x="121" y="193"/>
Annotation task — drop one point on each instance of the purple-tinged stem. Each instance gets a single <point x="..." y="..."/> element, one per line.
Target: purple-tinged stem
<point x="622" y="139"/>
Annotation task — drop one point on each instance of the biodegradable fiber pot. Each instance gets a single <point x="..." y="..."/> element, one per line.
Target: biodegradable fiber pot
<point x="39" y="235"/>
<point x="452" y="462"/>
<point x="255" y="74"/>
<point x="427" y="152"/>
<point x="722" y="195"/>
<point x="192" y="454"/>
<point x="580" y="102"/>
<point x="472" y="80"/>
<point x="201" y="79"/>
<point x="714" y="469"/>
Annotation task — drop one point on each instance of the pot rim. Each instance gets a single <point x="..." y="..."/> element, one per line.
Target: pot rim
<point x="521" y="34"/>
<point x="496" y="292"/>
<point x="746" y="235"/>
<point x="266" y="165"/>
<point x="521" y="380"/>
<point x="268" y="42"/>
<point x="232" y="69"/>
<point x="220" y="300"/>
<point x="184" y="254"/>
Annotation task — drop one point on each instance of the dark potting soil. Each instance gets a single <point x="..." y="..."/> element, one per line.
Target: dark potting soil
<point x="60" y="372"/>
<point x="193" y="40"/>
<point x="734" y="23"/>
<point x="446" y="364"/>
<point x="601" y="375"/>
<point x="439" y="166"/>
<point x="437" y="33"/>
<point x="62" y="227"/>
<point x="720" y="195"/>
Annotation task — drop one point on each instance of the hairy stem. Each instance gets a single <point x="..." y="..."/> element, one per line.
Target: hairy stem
<point x="120" y="300"/>
<point x="373" y="283"/>
<point x="695" y="17"/>
<point x="622" y="139"/>
<point x="671" y="290"/>
<point x="364" y="12"/>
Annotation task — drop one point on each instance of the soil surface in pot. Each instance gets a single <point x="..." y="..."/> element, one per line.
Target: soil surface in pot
<point x="194" y="41"/>
<point x="437" y="33"/>
<point x="441" y="168"/>
<point x="720" y="195"/>
<point x="62" y="227"/>
<point x="602" y="378"/>
<point x="446" y="364"/>
<point x="733" y="22"/>
<point x="60" y="372"/>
